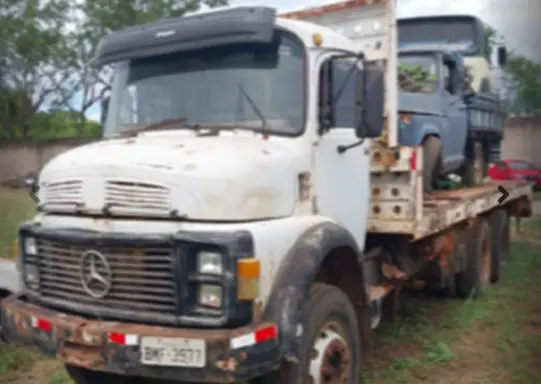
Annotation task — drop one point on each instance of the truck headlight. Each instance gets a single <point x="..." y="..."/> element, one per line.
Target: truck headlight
<point x="210" y="295"/>
<point x="30" y="246"/>
<point x="31" y="276"/>
<point x="210" y="262"/>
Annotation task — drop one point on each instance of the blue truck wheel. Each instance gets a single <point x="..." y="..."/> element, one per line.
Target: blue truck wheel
<point x="431" y="161"/>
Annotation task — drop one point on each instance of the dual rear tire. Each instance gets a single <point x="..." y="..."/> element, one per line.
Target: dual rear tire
<point x="484" y="249"/>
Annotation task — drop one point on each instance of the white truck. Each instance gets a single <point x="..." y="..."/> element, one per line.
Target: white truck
<point x="248" y="208"/>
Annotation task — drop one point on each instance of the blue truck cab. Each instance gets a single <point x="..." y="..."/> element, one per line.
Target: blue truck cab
<point x="458" y="128"/>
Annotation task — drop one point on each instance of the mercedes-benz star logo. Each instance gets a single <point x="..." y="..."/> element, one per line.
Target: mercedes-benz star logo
<point x="95" y="274"/>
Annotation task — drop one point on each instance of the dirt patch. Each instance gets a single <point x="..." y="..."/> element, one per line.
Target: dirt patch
<point x="42" y="372"/>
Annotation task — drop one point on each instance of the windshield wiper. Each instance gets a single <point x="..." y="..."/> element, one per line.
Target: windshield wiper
<point x="256" y="109"/>
<point x="214" y="128"/>
<point x="165" y="124"/>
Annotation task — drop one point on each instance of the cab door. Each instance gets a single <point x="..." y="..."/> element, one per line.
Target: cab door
<point x="342" y="179"/>
<point x="455" y="115"/>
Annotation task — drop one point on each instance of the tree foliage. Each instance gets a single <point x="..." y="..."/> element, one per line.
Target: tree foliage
<point x="45" y="50"/>
<point x="491" y="41"/>
<point x="525" y="84"/>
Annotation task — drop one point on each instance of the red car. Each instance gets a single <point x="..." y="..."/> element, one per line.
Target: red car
<point x="515" y="169"/>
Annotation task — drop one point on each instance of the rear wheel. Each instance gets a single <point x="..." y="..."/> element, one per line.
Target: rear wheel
<point x="475" y="278"/>
<point x="431" y="162"/>
<point x="474" y="170"/>
<point x="330" y="346"/>
<point x="499" y="224"/>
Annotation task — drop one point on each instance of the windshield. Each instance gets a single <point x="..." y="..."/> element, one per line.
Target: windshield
<point x="213" y="86"/>
<point x="520" y="166"/>
<point x="462" y="34"/>
<point x="418" y="73"/>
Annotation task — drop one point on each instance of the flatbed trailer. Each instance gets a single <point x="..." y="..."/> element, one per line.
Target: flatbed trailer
<point x="437" y="250"/>
<point x="403" y="221"/>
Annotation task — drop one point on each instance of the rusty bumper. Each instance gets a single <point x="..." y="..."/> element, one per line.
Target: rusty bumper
<point x="232" y="354"/>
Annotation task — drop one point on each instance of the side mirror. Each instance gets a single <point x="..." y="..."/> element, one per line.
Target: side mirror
<point x="502" y="56"/>
<point x="369" y="101"/>
<point x="104" y="110"/>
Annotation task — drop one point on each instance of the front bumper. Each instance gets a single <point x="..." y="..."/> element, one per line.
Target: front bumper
<point x="232" y="354"/>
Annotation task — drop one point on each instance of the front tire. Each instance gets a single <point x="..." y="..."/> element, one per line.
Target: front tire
<point x="431" y="162"/>
<point x="330" y="348"/>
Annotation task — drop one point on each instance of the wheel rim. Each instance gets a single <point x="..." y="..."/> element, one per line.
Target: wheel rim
<point x="485" y="262"/>
<point x="330" y="360"/>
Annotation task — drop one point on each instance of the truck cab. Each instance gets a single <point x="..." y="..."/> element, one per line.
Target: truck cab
<point x="433" y="105"/>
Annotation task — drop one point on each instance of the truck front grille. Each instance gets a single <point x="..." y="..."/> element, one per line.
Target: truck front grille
<point x="137" y="196"/>
<point x="141" y="279"/>
<point x="64" y="193"/>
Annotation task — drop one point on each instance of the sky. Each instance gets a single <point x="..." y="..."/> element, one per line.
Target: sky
<point x="516" y="20"/>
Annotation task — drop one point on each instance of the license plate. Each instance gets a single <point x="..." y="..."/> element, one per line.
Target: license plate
<point x="173" y="352"/>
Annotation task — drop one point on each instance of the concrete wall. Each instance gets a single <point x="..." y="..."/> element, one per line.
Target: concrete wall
<point x="19" y="158"/>
<point x="522" y="140"/>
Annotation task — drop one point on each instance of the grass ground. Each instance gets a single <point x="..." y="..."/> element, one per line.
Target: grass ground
<point x="495" y="340"/>
<point x="537" y="196"/>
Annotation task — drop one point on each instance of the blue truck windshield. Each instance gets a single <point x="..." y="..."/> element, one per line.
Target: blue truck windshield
<point x="459" y="33"/>
<point x="209" y="86"/>
<point x="418" y="73"/>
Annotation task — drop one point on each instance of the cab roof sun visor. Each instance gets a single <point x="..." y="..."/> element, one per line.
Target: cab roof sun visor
<point x="217" y="28"/>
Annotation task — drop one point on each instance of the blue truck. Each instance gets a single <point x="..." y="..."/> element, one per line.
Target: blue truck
<point x="454" y="111"/>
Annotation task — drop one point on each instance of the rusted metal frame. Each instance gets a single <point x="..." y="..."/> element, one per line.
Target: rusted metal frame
<point x="86" y="343"/>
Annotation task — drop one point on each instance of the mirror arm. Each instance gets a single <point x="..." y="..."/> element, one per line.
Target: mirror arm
<point x="344" y="148"/>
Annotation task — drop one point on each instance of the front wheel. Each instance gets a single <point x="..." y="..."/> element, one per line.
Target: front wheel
<point x="330" y="348"/>
<point x="431" y="162"/>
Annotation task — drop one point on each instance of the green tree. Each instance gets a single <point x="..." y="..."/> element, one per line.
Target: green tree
<point x="491" y="41"/>
<point x="104" y="16"/>
<point x="524" y="75"/>
<point x="34" y="60"/>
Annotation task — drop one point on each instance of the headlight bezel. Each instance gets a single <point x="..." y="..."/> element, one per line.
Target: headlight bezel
<point x="233" y="246"/>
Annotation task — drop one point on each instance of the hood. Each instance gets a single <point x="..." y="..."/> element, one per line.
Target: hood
<point x="419" y="103"/>
<point x="220" y="178"/>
